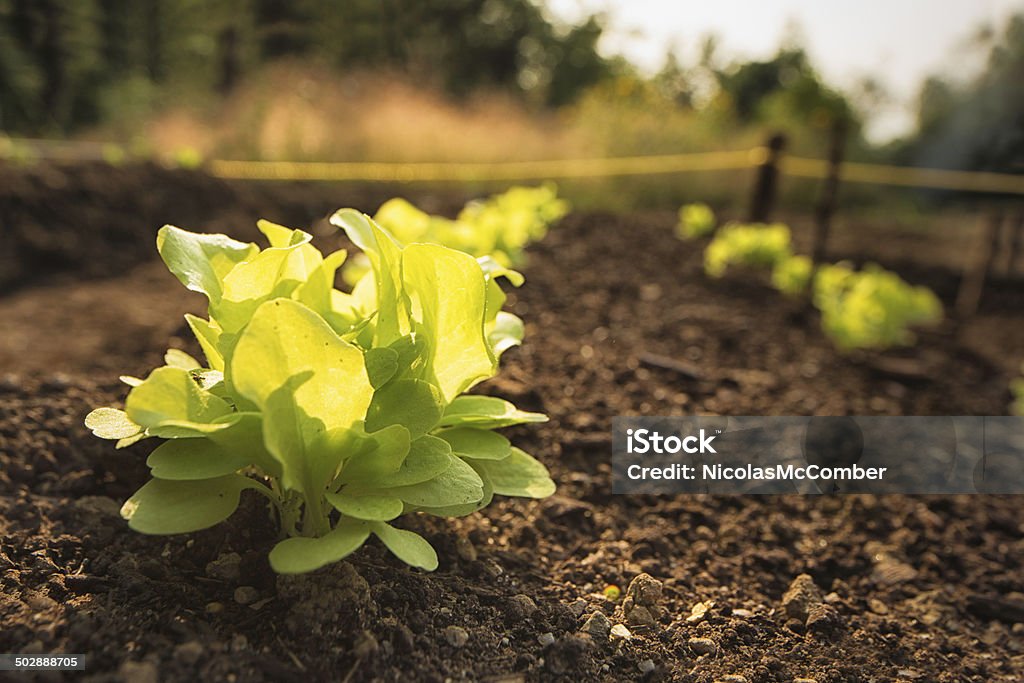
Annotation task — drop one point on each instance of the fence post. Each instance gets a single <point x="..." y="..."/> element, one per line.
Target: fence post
<point x="829" y="191"/>
<point x="766" y="186"/>
<point x="972" y="284"/>
<point x="1015" y="241"/>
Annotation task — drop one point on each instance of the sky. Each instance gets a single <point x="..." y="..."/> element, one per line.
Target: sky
<point x="896" y="42"/>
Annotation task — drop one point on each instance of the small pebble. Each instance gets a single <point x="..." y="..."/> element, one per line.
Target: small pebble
<point x="620" y="631"/>
<point x="366" y="645"/>
<point x="802" y="593"/>
<point x="456" y="636"/>
<point x="703" y="646"/>
<point x="646" y="666"/>
<point x="889" y="572"/>
<point x="578" y="607"/>
<point x="698" y="611"/>
<point x="225" y="568"/>
<point x="465" y="549"/>
<point x="214" y="607"/>
<point x="188" y="653"/>
<point x="877" y="606"/>
<point x="823" y="619"/>
<point x="138" y="672"/>
<point x="57" y="381"/>
<point x="641" y="604"/>
<point x="245" y="595"/>
<point x="597" y="626"/>
<point x="732" y="678"/>
<point x="522" y="605"/>
<point x="239" y="642"/>
<point x="546" y="639"/>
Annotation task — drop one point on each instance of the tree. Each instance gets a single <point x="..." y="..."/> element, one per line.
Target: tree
<point x="978" y="125"/>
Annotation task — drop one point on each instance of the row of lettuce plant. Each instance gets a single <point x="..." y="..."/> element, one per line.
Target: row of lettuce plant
<point x="868" y="308"/>
<point x="500" y="226"/>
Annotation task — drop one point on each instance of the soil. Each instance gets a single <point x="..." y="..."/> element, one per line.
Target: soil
<point x="620" y="320"/>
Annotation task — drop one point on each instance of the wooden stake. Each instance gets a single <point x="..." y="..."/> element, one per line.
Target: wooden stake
<point x="1015" y="242"/>
<point x="972" y="284"/>
<point x="829" y="192"/>
<point x="766" y="186"/>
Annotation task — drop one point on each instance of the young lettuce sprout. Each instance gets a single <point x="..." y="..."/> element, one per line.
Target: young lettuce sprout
<point x="695" y="220"/>
<point x="752" y="245"/>
<point x="872" y="307"/>
<point x="344" y="410"/>
<point x="499" y="227"/>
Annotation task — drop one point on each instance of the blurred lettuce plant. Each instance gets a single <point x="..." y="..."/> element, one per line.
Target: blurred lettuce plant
<point x="695" y="220"/>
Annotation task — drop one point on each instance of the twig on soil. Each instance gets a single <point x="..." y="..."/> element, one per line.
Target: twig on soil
<point x="687" y="370"/>
<point x="292" y="656"/>
<point x="352" y="671"/>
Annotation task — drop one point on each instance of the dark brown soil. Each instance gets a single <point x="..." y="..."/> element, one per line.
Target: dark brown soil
<point x="915" y="588"/>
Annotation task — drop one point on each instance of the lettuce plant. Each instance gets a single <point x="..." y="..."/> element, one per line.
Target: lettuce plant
<point x="344" y="410"/>
<point x="752" y="245"/>
<point x="792" y="275"/>
<point x="695" y="220"/>
<point x="503" y="225"/>
<point x="499" y="227"/>
<point x="871" y="308"/>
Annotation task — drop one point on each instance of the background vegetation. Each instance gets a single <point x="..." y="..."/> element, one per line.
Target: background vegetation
<point x="469" y="80"/>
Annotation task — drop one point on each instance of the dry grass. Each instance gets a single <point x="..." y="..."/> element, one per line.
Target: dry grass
<point x="298" y="112"/>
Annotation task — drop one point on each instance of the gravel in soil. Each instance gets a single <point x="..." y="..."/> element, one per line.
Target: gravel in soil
<point x="758" y="589"/>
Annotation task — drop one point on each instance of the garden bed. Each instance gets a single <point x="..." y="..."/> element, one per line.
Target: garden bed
<point x="620" y="320"/>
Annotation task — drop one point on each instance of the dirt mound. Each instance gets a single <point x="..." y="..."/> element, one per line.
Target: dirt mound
<point x="97" y="220"/>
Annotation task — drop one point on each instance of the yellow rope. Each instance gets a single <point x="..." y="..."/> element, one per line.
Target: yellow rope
<point x="881" y="174"/>
<point x="454" y="171"/>
<point x="878" y="174"/>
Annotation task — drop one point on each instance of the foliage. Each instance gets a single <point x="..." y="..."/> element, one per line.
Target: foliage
<point x="499" y="227"/>
<point x="695" y="220"/>
<point x="752" y="245"/>
<point x="62" y="64"/>
<point x="345" y="411"/>
<point x="976" y="125"/>
<point x="504" y="224"/>
<point x="871" y="308"/>
<point x="792" y="275"/>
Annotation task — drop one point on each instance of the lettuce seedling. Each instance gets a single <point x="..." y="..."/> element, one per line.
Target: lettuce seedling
<point x="752" y="245"/>
<point x="499" y="227"/>
<point x="344" y="410"/>
<point x="695" y="220"/>
<point x="871" y="308"/>
<point x="792" y="275"/>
